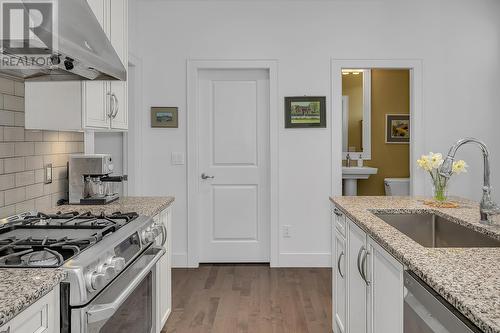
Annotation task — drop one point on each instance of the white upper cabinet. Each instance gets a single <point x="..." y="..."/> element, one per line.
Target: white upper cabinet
<point x="99" y="105"/>
<point x="118" y="34"/>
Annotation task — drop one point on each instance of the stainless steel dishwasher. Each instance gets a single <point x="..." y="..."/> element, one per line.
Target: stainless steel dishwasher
<point x="427" y="312"/>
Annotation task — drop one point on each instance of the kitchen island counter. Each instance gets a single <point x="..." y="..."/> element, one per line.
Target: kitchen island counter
<point x="468" y="278"/>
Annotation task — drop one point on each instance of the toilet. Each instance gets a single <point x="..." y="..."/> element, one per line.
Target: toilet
<point x="397" y="186"/>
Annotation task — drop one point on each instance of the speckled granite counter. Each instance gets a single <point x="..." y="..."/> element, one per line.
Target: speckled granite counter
<point x="148" y="206"/>
<point x="19" y="288"/>
<point x="467" y="278"/>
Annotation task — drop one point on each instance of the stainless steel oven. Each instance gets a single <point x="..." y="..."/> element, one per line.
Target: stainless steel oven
<point x="427" y="312"/>
<point x="128" y="304"/>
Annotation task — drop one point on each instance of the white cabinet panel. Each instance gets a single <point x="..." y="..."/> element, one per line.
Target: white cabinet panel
<point x="340" y="277"/>
<point x="385" y="306"/>
<point x="164" y="283"/>
<point x="357" y="288"/>
<point x="40" y="317"/>
<point x="118" y="35"/>
<point x="96" y="104"/>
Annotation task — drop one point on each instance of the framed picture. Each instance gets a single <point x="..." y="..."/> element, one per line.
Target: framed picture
<point x="305" y="112"/>
<point x="165" y="117"/>
<point x="397" y="128"/>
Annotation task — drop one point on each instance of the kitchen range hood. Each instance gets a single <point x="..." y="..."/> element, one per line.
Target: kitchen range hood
<point x="80" y="49"/>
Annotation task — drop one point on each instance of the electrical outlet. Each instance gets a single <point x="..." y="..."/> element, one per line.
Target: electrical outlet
<point x="286" y="231"/>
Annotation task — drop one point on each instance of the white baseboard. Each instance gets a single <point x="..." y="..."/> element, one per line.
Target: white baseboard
<point x="305" y="260"/>
<point x="179" y="260"/>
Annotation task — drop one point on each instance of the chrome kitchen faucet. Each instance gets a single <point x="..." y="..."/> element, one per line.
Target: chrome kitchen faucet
<point x="487" y="207"/>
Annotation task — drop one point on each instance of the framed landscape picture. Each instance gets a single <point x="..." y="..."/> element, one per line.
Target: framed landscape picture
<point x="305" y="112"/>
<point x="164" y="117"/>
<point x="397" y="128"/>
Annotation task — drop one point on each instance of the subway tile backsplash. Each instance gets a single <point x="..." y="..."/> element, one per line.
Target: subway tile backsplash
<point x="24" y="153"/>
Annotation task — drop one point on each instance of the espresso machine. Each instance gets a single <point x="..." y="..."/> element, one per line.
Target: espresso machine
<point x="91" y="181"/>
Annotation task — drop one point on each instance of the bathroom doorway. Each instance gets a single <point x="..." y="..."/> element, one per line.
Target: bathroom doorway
<point x="376" y="127"/>
<point x="376" y="132"/>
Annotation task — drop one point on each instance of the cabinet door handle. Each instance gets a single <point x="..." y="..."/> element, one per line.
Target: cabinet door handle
<point x="111" y="105"/>
<point x="338" y="264"/>
<point x="337" y="212"/>
<point x="364" y="267"/>
<point x="358" y="261"/>
<point x="117" y="106"/>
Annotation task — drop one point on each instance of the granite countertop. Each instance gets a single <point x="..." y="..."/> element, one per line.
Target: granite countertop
<point x="148" y="206"/>
<point x="19" y="288"/>
<point x="468" y="278"/>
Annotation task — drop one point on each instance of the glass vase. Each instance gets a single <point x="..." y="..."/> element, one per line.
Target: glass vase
<point x="440" y="190"/>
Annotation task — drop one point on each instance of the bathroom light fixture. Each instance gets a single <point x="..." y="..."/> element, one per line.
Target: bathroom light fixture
<point x="352" y="71"/>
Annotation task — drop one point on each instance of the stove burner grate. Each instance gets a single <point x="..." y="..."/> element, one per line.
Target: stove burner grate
<point x="48" y="240"/>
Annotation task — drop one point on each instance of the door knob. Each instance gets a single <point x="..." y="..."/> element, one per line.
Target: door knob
<point x="205" y="176"/>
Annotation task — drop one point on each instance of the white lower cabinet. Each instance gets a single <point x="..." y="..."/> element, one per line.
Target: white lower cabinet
<point x="339" y="283"/>
<point x="40" y="317"/>
<point x="356" y="286"/>
<point x="385" y="294"/>
<point x="368" y="282"/>
<point x="164" y="273"/>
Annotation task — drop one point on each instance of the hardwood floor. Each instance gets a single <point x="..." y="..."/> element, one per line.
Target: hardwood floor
<point x="250" y="299"/>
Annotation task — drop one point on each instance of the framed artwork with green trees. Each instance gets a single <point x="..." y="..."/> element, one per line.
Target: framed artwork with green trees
<point x="305" y="112"/>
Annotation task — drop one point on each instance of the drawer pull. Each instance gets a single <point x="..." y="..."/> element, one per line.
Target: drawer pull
<point x="337" y="212"/>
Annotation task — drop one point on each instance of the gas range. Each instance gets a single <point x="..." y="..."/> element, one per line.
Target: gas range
<point x="93" y="249"/>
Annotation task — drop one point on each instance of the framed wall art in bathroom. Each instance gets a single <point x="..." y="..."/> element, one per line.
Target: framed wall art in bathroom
<point x="397" y="128"/>
<point x="164" y="117"/>
<point x="305" y="112"/>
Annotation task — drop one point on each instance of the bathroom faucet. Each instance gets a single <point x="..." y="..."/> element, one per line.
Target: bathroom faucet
<point x="348" y="160"/>
<point x="487" y="207"/>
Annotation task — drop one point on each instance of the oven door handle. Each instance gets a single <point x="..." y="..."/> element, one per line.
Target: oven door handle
<point x="102" y="312"/>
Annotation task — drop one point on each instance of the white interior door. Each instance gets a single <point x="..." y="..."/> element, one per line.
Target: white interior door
<point x="233" y="129"/>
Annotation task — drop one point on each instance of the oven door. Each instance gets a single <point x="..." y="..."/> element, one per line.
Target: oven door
<point x="128" y="304"/>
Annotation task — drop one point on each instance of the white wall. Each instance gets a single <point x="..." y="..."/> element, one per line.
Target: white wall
<point x="458" y="42"/>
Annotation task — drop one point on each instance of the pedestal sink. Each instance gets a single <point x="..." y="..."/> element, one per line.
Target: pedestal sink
<point x="350" y="175"/>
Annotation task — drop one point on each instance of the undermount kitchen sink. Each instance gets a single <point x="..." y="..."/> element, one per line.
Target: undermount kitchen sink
<point x="431" y="230"/>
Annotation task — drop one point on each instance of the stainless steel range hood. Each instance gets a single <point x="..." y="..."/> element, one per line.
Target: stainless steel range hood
<point x="81" y="49"/>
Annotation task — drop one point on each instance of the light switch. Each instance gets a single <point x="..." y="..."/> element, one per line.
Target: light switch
<point x="178" y="158"/>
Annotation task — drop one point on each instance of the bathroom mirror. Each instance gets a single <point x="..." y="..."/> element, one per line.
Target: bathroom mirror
<point x="356" y="113"/>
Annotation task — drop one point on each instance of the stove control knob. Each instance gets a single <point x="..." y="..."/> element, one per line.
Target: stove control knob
<point x="96" y="281"/>
<point x="156" y="231"/>
<point x="107" y="270"/>
<point x="118" y="263"/>
<point x="148" y="236"/>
